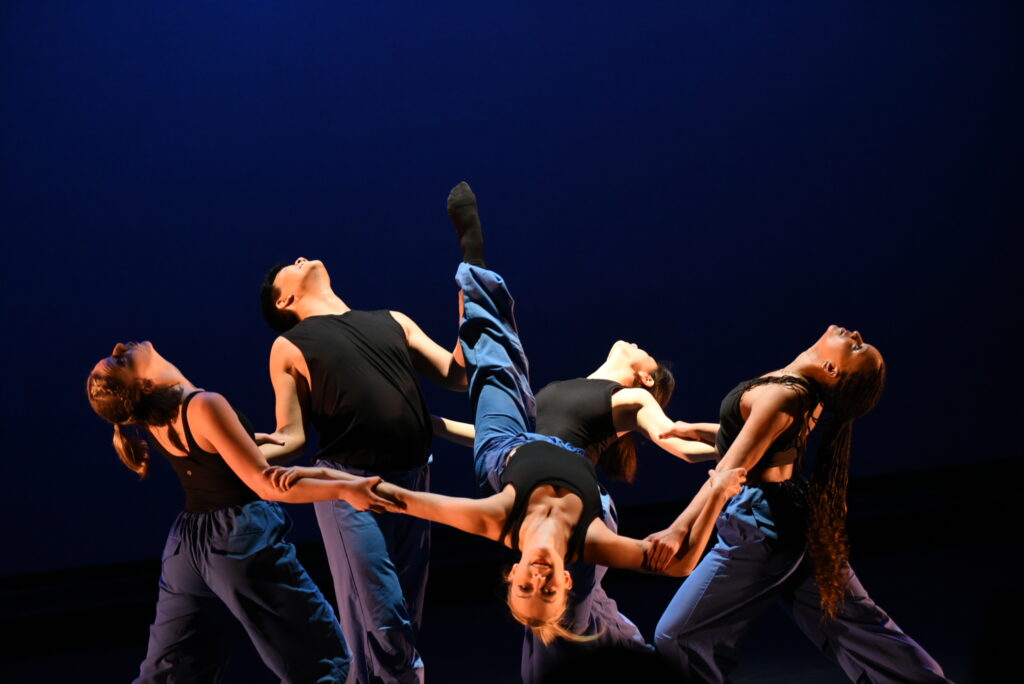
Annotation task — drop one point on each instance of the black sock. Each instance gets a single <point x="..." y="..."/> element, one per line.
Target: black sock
<point x="463" y="213"/>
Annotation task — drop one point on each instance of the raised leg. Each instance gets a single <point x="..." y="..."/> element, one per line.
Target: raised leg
<point x="499" y="373"/>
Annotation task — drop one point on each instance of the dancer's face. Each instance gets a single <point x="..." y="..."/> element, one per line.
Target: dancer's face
<point x="842" y="351"/>
<point x="132" y="361"/>
<point x="538" y="586"/>
<point x="300" y="277"/>
<point x="640" y="362"/>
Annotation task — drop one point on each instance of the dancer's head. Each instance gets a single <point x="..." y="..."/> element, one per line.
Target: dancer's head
<point x="284" y="288"/>
<point x="630" y="358"/>
<point x="843" y="356"/>
<point x="134" y="386"/>
<point x="538" y="594"/>
<point x="850" y="376"/>
<point x="619" y="459"/>
<point x="539" y="585"/>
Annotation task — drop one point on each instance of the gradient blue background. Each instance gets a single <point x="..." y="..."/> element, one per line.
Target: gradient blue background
<point x="715" y="181"/>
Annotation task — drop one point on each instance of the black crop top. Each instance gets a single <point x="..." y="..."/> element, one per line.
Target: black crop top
<point x="731" y="422"/>
<point x="540" y="463"/>
<point x="578" y="411"/>
<point x="208" y="481"/>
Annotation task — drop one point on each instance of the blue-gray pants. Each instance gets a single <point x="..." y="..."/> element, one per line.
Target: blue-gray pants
<point x="747" y="569"/>
<point x="504" y="409"/>
<point x="237" y="558"/>
<point x="379" y="565"/>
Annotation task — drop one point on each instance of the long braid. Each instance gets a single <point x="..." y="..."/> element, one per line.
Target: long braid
<point x="827" y="542"/>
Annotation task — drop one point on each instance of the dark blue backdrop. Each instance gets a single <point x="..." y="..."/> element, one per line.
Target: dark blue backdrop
<point x="716" y="182"/>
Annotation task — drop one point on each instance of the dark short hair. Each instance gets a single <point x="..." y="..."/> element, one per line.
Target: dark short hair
<point x="277" y="319"/>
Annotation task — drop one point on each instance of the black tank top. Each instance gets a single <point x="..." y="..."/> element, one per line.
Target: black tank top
<point x="208" y="481"/>
<point x="366" y="401"/>
<point x="578" y="411"/>
<point x="540" y="463"/>
<point x="731" y="422"/>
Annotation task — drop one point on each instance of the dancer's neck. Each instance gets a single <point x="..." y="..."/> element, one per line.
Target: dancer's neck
<point x="616" y="372"/>
<point x="324" y="303"/>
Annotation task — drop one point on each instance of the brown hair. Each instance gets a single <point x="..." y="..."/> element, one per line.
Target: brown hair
<point x="618" y="459"/>
<point x="851" y="397"/>
<point x="128" y="405"/>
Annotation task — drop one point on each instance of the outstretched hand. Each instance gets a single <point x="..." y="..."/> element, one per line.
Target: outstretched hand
<point x="729" y="482"/>
<point x="664" y="547"/>
<point x="362" y="494"/>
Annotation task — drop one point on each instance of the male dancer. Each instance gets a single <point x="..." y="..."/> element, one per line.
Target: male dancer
<point x="353" y="374"/>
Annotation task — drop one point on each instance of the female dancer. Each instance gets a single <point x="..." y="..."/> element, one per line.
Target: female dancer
<point x="627" y="394"/>
<point x="547" y="502"/>
<point x="227" y="544"/>
<point x="762" y="531"/>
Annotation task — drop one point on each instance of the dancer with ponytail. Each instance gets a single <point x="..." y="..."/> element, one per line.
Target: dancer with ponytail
<point x="226" y="552"/>
<point x="782" y="537"/>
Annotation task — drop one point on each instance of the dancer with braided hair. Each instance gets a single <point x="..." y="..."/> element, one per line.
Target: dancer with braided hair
<point x="782" y="537"/>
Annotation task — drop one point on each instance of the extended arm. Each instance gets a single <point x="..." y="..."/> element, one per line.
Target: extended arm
<point x="482" y="517"/>
<point x="444" y="367"/>
<point x="454" y="431"/>
<point x="636" y="409"/>
<point x="696" y="523"/>
<point x="701" y="432"/>
<point x="217" y="429"/>
<point x="291" y="397"/>
<point x="677" y="549"/>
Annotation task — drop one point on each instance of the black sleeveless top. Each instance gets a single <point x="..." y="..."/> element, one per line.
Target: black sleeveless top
<point x="731" y="422"/>
<point x="365" y="399"/>
<point x="540" y="463"/>
<point x="579" y="412"/>
<point x="208" y="481"/>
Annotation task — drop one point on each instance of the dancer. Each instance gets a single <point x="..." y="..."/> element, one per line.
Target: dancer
<point x="353" y="375"/>
<point x="627" y="394"/>
<point x="227" y="548"/>
<point x="547" y="502"/>
<point x="760" y="553"/>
